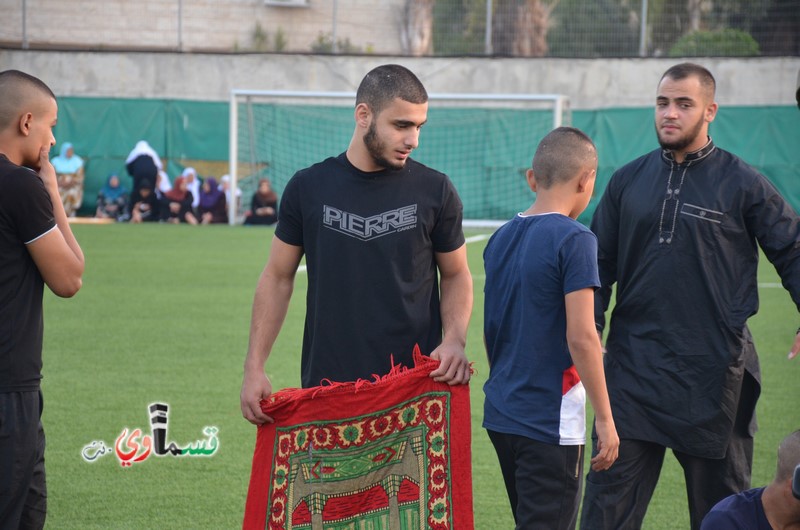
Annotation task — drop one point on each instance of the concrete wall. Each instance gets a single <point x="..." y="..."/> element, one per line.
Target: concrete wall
<point x="370" y="26"/>
<point x="590" y="84"/>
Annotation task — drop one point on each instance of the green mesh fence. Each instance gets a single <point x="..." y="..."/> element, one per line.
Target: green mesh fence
<point x="485" y="152"/>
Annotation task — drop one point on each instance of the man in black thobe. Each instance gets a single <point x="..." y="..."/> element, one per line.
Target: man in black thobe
<point x="678" y="232"/>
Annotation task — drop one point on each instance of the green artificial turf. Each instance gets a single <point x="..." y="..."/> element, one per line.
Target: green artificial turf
<point x="163" y="316"/>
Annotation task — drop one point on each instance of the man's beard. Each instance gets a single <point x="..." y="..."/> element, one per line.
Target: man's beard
<point x="375" y="148"/>
<point x="682" y="143"/>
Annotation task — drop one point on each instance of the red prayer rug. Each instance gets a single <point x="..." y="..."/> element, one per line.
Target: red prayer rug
<point x="388" y="454"/>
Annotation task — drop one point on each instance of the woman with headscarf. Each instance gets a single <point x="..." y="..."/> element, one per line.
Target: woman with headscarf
<point x="112" y="199"/>
<point x="69" y="172"/>
<point x="212" y="205"/>
<point x="264" y="206"/>
<point x="143" y="163"/>
<point x="176" y="206"/>
<point x="163" y="184"/>
<point x="193" y="183"/>
<point x="230" y="195"/>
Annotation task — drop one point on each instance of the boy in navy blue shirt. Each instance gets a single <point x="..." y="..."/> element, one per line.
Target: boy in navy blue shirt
<point x="544" y="352"/>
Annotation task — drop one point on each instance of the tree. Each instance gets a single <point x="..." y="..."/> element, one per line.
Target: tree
<point x="459" y="27"/>
<point x="416" y="32"/>
<point x="778" y="31"/>
<point x="602" y="28"/>
<point x="519" y="27"/>
<point x="774" y="24"/>
<point x="695" y="13"/>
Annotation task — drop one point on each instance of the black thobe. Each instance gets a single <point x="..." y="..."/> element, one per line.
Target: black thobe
<point x="681" y="243"/>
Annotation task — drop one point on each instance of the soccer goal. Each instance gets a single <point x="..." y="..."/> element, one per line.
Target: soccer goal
<point x="483" y="142"/>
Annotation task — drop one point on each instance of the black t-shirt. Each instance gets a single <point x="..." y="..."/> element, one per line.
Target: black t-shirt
<point x="26" y="213"/>
<point x="369" y="240"/>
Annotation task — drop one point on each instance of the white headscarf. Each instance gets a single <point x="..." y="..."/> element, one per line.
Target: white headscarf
<point x="194" y="185"/>
<point x="143" y="148"/>
<point x="226" y="179"/>
<point x="164" y="185"/>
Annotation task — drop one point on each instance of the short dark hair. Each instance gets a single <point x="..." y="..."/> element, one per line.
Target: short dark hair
<point x="684" y="70"/>
<point x="562" y="155"/>
<point x="788" y="456"/>
<point x="16" y="88"/>
<point x="384" y="84"/>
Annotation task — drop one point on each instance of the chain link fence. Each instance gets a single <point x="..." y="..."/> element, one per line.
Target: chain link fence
<point x="497" y="28"/>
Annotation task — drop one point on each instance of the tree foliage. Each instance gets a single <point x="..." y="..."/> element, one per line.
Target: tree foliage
<point x="723" y="43"/>
<point x="459" y="27"/>
<point x="612" y="28"/>
<point x="602" y="28"/>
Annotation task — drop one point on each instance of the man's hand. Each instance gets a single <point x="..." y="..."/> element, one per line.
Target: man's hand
<point x="796" y="346"/>
<point x="607" y="445"/>
<point x="255" y="387"/>
<point x="46" y="170"/>
<point x="454" y="368"/>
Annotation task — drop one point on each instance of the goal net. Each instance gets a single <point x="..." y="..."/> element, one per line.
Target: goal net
<point x="483" y="142"/>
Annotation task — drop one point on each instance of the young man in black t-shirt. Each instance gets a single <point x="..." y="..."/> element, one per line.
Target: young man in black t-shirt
<point x="36" y="247"/>
<point x="383" y="241"/>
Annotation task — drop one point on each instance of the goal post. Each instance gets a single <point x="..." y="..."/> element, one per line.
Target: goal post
<point x="483" y="142"/>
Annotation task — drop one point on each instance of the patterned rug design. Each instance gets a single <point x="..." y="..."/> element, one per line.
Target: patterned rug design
<point x="388" y="454"/>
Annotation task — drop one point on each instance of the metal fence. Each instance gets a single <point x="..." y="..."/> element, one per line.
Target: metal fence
<point x="500" y="28"/>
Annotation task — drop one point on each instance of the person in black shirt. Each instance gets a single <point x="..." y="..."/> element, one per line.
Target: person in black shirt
<point x="678" y="232"/>
<point x="376" y="227"/>
<point x="143" y="163"/>
<point x="144" y="204"/>
<point x="264" y="205"/>
<point x="176" y="205"/>
<point x="37" y="247"/>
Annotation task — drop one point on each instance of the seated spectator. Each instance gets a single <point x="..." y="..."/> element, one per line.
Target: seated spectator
<point x="69" y="172"/>
<point x="773" y="506"/>
<point x="193" y="180"/>
<point x="225" y="185"/>
<point x="143" y="163"/>
<point x="212" y="207"/>
<point x="163" y="184"/>
<point x="264" y="205"/>
<point x="176" y="205"/>
<point x="112" y="199"/>
<point x="143" y="203"/>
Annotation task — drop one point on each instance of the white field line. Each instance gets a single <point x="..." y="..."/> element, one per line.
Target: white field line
<point x="473" y="239"/>
<point x="483" y="237"/>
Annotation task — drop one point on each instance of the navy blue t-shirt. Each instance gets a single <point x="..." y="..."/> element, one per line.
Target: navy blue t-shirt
<point x="743" y="511"/>
<point x="533" y="389"/>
